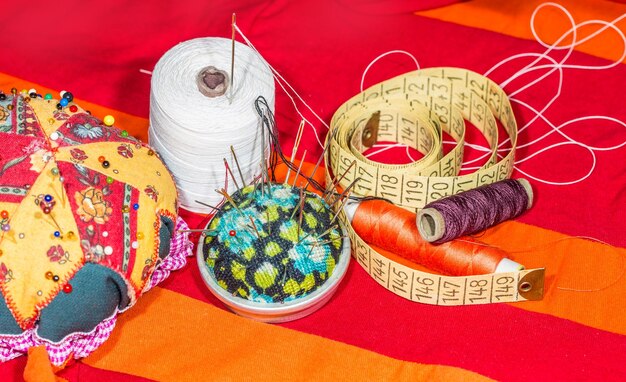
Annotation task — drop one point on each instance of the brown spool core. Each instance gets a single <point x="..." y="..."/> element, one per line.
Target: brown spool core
<point x="212" y="82"/>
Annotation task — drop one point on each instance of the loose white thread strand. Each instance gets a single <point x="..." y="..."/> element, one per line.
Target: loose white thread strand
<point x="553" y="66"/>
<point x="280" y="80"/>
<point x="558" y="67"/>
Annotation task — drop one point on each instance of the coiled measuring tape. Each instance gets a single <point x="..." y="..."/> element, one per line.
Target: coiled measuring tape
<point x="415" y="109"/>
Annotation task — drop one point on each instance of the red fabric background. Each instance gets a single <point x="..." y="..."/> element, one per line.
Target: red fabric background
<point x="322" y="48"/>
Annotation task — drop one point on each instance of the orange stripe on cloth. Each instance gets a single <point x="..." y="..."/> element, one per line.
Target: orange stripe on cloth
<point x="584" y="279"/>
<point x="136" y="126"/>
<point x="39" y="368"/>
<point x="513" y="18"/>
<point x="170" y="337"/>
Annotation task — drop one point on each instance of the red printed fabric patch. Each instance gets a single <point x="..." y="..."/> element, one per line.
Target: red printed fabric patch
<point x="25" y="153"/>
<point x="83" y="128"/>
<point x="105" y="215"/>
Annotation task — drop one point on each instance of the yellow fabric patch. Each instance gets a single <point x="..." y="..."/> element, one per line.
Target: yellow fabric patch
<point x="272" y="249"/>
<point x="143" y="171"/>
<point x="308" y="282"/>
<point x="44" y="110"/>
<point x="265" y="275"/>
<point x="29" y="248"/>
<point x="239" y="271"/>
<point x="35" y="264"/>
<point x="291" y="287"/>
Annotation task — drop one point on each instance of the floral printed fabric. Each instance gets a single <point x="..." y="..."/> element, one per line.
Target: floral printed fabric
<point x="265" y="250"/>
<point x="84" y="128"/>
<point x="96" y="203"/>
<point x="74" y="191"/>
<point x="79" y="345"/>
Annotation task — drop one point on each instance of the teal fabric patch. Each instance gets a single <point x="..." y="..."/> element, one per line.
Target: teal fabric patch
<point x="8" y="325"/>
<point x="265" y="250"/>
<point x="97" y="292"/>
<point x="166" y="233"/>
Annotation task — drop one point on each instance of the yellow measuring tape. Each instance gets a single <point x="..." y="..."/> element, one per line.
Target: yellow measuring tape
<point x="415" y="109"/>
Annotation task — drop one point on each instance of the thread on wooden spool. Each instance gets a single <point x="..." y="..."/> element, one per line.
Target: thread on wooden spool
<point x="395" y="229"/>
<point x="475" y="210"/>
<point x="197" y="113"/>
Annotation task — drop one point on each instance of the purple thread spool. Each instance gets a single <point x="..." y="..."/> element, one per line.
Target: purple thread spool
<point x="472" y="211"/>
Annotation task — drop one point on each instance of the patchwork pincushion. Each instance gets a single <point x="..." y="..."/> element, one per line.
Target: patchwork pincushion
<point x="277" y="245"/>
<point x="89" y="223"/>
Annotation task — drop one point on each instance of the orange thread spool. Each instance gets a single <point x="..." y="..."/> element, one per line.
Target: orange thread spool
<point x="395" y="229"/>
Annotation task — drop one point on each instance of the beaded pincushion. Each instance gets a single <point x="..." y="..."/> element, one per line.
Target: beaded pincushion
<point x="272" y="243"/>
<point x="89" y="222"/>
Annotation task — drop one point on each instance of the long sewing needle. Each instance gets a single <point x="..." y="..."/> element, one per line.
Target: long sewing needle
<point x="231" y="173"/>
<point x="311" y="250"/>
<point x="302" y="199"/>
<point x="336" y="182"/>
<point x="321" y="235"/>
<point x="254" y="226"/>
<point x="345" y="191"/>
<point x="331" y="240"/>
<point x="295" y="149"/>
<point x="299" y="206"/>
<point x="328" y="231"/>
<point x="295" y="180"/>
<point x="341" y="207"/>
<point x="229" y="199"/>
<point x="261" y="181"/>
<point x="232" y="58"/>
<point x="264" y="179"/>
<point x="326" y="146"/>
<point x="232" y="150"/>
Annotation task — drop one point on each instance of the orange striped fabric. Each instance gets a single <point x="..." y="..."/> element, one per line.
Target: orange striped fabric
<point x="513" y="18"/>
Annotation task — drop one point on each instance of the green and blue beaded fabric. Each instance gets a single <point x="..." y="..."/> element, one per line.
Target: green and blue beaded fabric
<point x="284" y="255"/>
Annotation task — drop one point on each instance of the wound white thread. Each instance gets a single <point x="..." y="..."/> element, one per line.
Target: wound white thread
<point x="193" y="132"/>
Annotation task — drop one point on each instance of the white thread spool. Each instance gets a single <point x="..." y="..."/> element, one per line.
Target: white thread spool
<point x="195" y="116"/>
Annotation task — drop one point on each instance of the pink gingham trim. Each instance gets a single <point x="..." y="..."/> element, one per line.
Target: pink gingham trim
<point x="80" y="345"/>
<point x="180" y="248"/>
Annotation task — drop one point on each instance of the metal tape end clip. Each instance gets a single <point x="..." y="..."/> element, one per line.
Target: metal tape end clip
<point x="530" y="287"/>
<point x="369" y="136"/>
